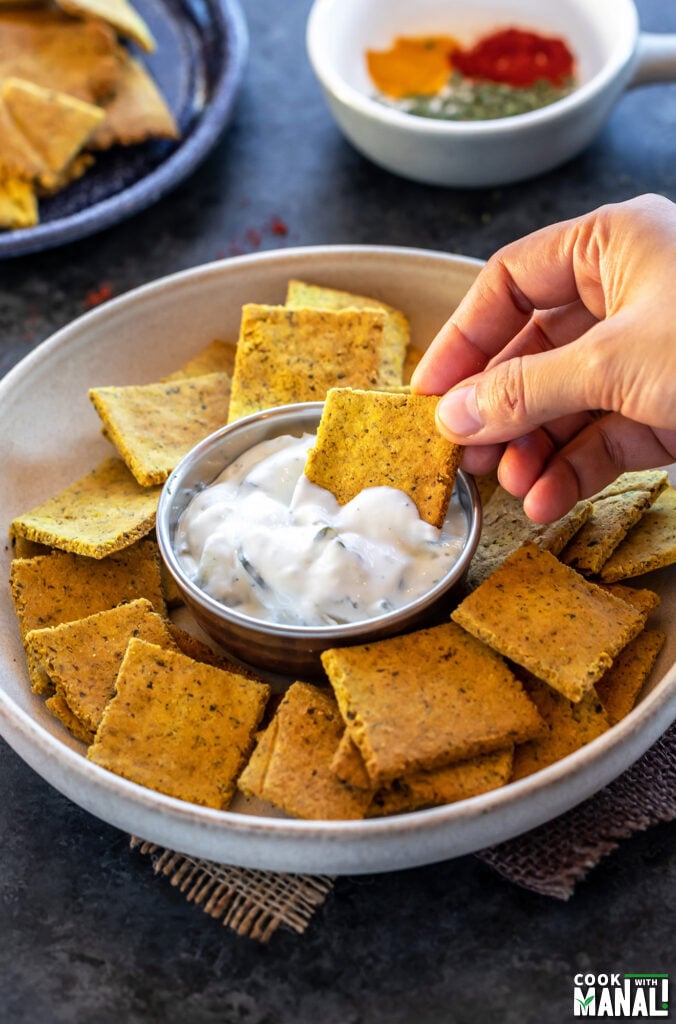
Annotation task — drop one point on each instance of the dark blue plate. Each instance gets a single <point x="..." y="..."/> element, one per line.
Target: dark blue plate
<point x="201" y="51"/>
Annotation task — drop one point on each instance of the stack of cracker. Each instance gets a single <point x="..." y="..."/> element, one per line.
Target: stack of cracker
<point x="69" y="86"/>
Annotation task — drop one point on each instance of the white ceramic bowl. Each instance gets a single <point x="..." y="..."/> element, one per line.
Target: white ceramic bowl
<point x="611" y="55"/>
<point x="141" y="337"/>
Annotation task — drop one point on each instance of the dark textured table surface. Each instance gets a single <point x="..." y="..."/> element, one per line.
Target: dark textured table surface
<point x="88" y="933"/>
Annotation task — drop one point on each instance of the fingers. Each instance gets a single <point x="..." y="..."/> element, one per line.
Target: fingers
<point x="596" y="456"/>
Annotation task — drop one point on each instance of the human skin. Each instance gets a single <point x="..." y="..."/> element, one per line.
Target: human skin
<point x="559" y="365"/>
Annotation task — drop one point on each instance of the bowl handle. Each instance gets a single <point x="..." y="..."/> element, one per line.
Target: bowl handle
<point x="655" y="59"/>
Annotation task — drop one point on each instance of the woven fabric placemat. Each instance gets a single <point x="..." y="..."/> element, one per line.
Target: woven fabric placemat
<point x="549" y="860"/>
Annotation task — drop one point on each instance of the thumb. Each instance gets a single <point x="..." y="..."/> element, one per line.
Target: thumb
<point x="513" y="397"/>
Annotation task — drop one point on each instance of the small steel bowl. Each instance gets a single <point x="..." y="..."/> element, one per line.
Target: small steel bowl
<point x="287" y="650"/>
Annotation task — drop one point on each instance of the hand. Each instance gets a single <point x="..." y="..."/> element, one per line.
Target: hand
<point x="561" y="358"/>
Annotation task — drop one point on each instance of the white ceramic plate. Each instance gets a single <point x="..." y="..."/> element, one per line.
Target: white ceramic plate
<point x="50" y="435"/>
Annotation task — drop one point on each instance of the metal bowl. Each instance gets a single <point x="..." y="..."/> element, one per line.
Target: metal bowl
<point x="287" y="650"/>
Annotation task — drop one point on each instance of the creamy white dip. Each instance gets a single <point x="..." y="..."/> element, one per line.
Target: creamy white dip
<point x="264" y="540"/>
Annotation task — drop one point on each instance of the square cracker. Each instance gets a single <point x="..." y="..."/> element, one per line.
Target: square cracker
<point x="291" y="765"/>
<point x="81" y="659"/>
<point x="217" y="357"/>
<point x="608" y="525"/>
<point x="154" y="425"/>
<point x="549" y="619"/>
<point x="50" y="589"/>
<point x="651" y="544"/>
<point x="459" y="781"/>
<point x="619" y="688"/>
<point x="427" y="699"/>
<point x="179" y="726"/>
<point x="375" y="438"/>
<point x="506" y="526"/>
<point x="569" y="726"/>
<point x="397" y="333"/>
<point x="103" y="512"/>
<point x="296" y="355"/>
<point x="58" y="706"/>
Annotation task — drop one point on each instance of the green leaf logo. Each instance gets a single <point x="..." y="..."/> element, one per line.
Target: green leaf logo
<point x="585" y="1002"/>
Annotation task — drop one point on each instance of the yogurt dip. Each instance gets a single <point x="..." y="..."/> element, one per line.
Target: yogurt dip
<point x="266" y="542"/>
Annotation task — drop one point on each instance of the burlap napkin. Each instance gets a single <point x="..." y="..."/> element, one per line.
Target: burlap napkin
<point x="549" y="860"/>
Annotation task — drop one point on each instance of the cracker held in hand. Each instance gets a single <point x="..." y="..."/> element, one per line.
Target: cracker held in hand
<point x="154" y="425"/>
<point x="178" y="726"/>
<point x="103" y="512"/>
<point x="81" y="659"/>
<point x="291" y="765"/>
<point x="650" y="545"/>
<point x="397" y="332"/>
<point x="296" y="355"/>
<point x="427" y="699"/>
<point x="547" y="618"/>
<point x="376" y="439"/>
<point x="50" y="589"/>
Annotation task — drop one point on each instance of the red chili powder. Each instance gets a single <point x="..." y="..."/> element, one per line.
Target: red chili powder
<point x="97" y="296"/>
<point x="516" y="57"/>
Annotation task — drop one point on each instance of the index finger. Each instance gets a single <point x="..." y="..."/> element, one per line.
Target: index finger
<point x="535" y="272"/>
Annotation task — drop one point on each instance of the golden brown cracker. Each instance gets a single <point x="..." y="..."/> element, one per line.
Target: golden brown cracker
<point x="427" y="699"/>
<point x="397" y="331"/>
<point x="179" y="726"/>
<point x="609" y="523"/>
<point x="291" y="765"/>
<point x="154" y="425"/>
<point x="643" y="600"/>
<point x="18" y="203"/>
<point x="61" y="587"/>
<point x="58" y="52"/>
<point x="569" y="726"/>
<point x="348" y="765"/>
<point x="58" y="706"/>
<point x="374" y="438"/>
<point x="82" y="658"/>
<point x="296" y="355"/>
<point x="549" y="619"/>
<point x="118" y="13"/>
<point x="217" y="357"/>
<point x="459" y="781"/>
<point x="103" y="512"/>
<point x="136" y="111"/>
<point x="506" y="526"/>
<point x="620" y="686"/>
<point x="652" y="480"/>
<point x="56" y="125"/>
<point x="651" y="544"/>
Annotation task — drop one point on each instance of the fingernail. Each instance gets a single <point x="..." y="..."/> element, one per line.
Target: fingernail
<point x="458" y="412"/>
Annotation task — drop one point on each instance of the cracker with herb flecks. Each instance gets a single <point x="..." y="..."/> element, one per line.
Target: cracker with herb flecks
<point x="619" y="688"/>
<point x="549" y="619"/>
<point x="608" y="525"/>
<point x="295" y="355"/>
<point x="506" y="526"/>
<point x="291" y="765"/>
<point x="651" y="544"/>
<point x="643" y="600"/>
<point x="375" y="438"/>
<point x="136" y="111"/>
<point x="217" y="357"/>
<point x="570" y="726"/>
<point x="154" y="425"/>
<point x="58" y="706"/>
<point x="81" y="659"/>
<point x="117" y="13"/>
<point x="103" y="512"/>
<point x="427" y="699"/>
<point x="61" y="587"/>
<point x="459" y="781"/>
<point x="179" y="726"/>
<point x="397" y="331"/>
<point x="652" y="480"/>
